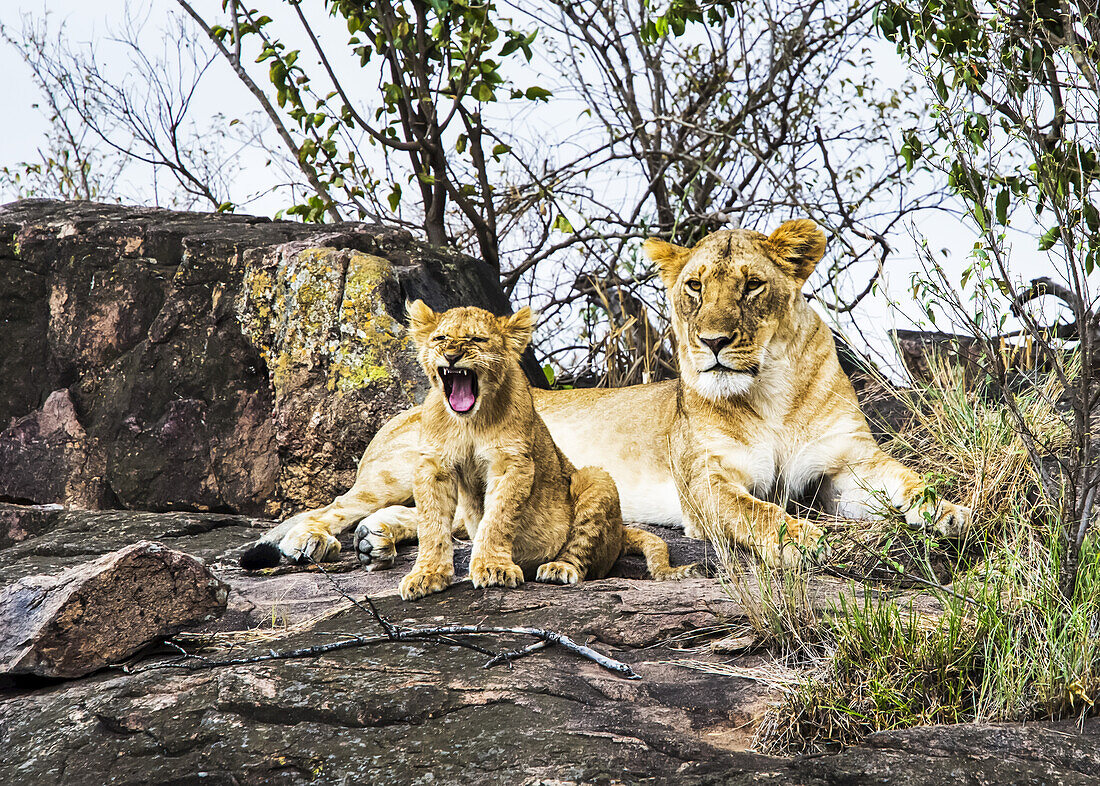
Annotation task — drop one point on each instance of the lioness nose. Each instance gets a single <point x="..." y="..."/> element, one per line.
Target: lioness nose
<point x="717" y="344"/>
<point x="452" y="357"/>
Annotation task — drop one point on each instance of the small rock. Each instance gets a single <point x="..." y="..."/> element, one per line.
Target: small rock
<point x="731" y="644"/>
<point x="75" y="622"/>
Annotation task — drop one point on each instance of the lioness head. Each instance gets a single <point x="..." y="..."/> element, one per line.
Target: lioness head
<point x="730" y="294"/>
<point x="468" y="353"/>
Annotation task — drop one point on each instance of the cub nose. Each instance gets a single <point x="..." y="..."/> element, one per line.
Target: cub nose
<point x="718" y="343"/>
<point x="452" y="357"/>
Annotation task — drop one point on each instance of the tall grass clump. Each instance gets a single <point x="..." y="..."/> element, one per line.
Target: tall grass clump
<point x="1008" y="641"/>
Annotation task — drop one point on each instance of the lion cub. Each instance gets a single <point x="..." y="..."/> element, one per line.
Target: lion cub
<point x="487" y="461"/>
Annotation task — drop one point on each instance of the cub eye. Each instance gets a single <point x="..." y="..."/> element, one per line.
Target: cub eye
<point x="478" y="339"/>
<point x="753" y="284"/>
<point x="694" y="284"/>
<point x="439" y="338"/>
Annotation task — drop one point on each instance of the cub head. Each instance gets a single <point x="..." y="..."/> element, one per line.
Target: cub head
<point x="467" y="353"/>
<point x="730" y="294"/>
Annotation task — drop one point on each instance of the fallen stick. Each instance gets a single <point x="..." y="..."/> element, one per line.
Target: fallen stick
<point x="442" y="634"/>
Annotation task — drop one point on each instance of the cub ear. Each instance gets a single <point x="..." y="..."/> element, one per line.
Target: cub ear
<point x="422" y="320"/>
<point x="670" y="259"/>
<point x="517" y="329"/>
<point x="800" y="246"/>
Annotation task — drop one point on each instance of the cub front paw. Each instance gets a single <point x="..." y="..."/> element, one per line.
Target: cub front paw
<point x="485" y="574"/>
<point x="375" y="545"/>
<point x="558" y="573"/>
<point x="424" y="582"/>
<point x="309" y="542"/>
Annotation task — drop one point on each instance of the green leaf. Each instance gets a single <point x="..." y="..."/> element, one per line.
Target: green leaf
<point x="537" y="94"/>
<point x="1002" y="206"/>
<point x="561" y="223"/>
<point x="549" y="373"/>
<point x="482" y="92"/>
<point x="395" y="197"/>
<point x="1049" y="238"/>
<point x="500" y="149"/>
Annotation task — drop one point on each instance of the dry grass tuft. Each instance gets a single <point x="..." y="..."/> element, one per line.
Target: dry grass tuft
<point x="1009" y="645"/>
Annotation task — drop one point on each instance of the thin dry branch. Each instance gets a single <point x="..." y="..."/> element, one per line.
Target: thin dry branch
<point x="439" y="634"/>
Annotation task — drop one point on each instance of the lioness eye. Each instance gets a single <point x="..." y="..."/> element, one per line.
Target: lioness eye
<point x="438" y="338"/>
<point x="694" y="285"/>
<point x="753" y="283"/>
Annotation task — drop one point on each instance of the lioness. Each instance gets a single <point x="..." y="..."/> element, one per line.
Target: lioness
<point x="486" y="455"/>
<point x="761" y="410"/>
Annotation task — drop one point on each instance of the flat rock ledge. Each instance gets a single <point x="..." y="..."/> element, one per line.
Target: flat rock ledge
<point x="419" y="713"/>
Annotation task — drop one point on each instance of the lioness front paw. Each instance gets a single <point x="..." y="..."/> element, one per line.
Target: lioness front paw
<point x="945" y="518"/>
<point x="309" y="542"/>
<point x="558" y="573"/>
<point x="375" y="546"/>
<point x="425" y="582"/>
<point x="486" y="574"/>
<point x="798" y="542"/>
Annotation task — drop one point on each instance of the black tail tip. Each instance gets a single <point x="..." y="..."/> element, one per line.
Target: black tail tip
<point x="261" y="555"/>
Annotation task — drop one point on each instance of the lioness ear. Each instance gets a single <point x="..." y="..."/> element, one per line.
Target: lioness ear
<point x="800" y="246"/>
<point x="422" y="320"/>
<point x="517" y="329"/>
<point x="670" y="259"/>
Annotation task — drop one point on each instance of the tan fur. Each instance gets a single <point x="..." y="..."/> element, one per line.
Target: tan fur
<point x="714" y="450"/>
<point x="520" y="500"/>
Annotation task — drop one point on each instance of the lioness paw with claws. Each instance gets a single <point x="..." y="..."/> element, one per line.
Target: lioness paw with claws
<point x="797" y="543"/>
<point x="944" y="518"/>
<point x="312" y="543"/>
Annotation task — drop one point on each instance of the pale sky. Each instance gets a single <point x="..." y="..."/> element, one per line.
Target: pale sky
<point x="85" y="20"/>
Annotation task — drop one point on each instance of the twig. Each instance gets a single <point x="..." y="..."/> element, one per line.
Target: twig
<point x="444" y="634"/>
<point x="916" y="577"/>
<point x="511" y="655"/>
<point x="388" y="627"/>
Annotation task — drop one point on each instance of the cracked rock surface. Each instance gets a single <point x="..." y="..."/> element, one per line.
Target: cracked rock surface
<point x="416" y="712"/>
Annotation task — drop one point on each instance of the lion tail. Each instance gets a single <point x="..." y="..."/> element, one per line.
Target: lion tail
<point x="655" y="551"/>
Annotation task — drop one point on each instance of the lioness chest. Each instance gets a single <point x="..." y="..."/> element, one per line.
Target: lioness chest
<point x="780" y="462"/>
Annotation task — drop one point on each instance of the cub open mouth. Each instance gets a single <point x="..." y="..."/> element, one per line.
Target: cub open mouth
<point x="460" y="388"/>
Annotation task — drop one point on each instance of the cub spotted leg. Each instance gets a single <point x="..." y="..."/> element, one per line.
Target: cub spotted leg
<point x="434" y="569"/>
<point x="595" y="535"/>
<point x="511" y="477"/>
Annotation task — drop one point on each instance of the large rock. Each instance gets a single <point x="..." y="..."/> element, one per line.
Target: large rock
<point x="157" y="360"/>
<point x="419" y="712"/>
<point x="89" y="616"/>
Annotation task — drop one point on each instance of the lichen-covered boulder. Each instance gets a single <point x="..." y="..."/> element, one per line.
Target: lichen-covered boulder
<point x="158" y="360"/>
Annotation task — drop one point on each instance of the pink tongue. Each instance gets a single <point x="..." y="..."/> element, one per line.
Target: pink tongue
<point x="462" y="394"/>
